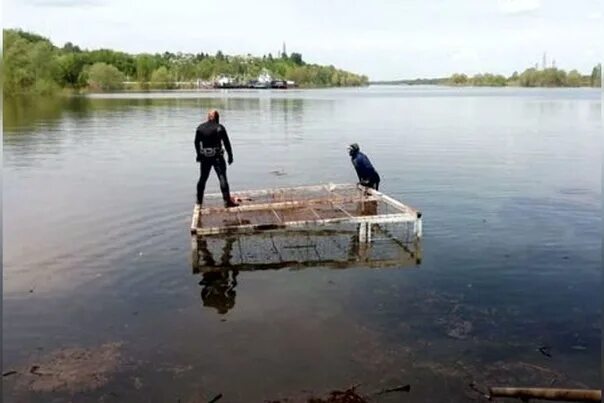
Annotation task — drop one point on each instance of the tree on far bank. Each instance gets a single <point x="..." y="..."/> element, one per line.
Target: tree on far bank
<point x="161" y="78"/>
<point x="144" y="67"/>
<point x="459" y="79"/>
<point x="296" y="58"/>
<point x="104" y="77"/>
<point x="574" y="79"/>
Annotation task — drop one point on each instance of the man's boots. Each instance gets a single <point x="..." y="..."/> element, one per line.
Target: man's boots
<point x="230" y="203"/>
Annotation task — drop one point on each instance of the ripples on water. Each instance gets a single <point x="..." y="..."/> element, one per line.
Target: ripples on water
<point x="98" y="194"/>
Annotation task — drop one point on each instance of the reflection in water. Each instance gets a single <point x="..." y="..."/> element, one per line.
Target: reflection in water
<point x="218" y="286"/>
<point x="335" y="248"/>
<point x="219" y="290"/>
<point x="208" y="258"/>
<point x="21" y="114"/>
<point x="220" y="258"/>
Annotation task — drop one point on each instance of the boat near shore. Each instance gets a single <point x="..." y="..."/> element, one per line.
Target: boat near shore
<point x="264" y="81"/>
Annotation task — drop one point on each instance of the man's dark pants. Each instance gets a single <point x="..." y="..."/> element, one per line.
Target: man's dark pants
<point x="219" y="165"/>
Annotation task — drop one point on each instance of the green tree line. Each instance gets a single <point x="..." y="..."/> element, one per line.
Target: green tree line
<point x="531" y="77"/>
<point x="32" y="64"/>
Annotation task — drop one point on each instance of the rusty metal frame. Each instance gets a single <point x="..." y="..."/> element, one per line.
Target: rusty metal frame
<point x="402" y="214"/>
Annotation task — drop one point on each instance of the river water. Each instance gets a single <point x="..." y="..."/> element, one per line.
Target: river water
<point x="98" y="195"/>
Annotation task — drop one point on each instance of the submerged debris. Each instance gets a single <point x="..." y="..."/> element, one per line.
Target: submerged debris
<point x="341" y="396"/>
<point x="279" y="172"/>
<point x="138" y="383"/>
<point x="567" y="395"/>
<point x="546" y="351"/>
<point x="460" y="330"/>
<point x="176" y="369"/>
<point x="349" y="395"/>
<point x="402" y="388"/>
<point x="216" y="398"/>
<point x="477" y="388"/>
<point x="72" y="369"/>
<point x="479" y="377"/>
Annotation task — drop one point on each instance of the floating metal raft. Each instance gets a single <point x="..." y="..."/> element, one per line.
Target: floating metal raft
<point x="303" y="206"/>
<point x="330" y="225"/>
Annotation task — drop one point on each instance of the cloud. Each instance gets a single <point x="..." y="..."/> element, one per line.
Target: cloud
<point x="514" y="7"/>
<point x="64" y="3"/>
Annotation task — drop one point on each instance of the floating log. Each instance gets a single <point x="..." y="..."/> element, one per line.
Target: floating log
<point x="561" y="395"/>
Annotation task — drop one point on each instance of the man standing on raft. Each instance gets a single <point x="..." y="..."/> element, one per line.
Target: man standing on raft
<point x="209" y="139"/>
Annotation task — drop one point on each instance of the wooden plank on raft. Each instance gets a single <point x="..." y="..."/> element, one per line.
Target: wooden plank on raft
<point x="342" y="210"/>
<point x="279" y="220"/>
<point x="281" y="205"/>
<point x="314" y="212"/>
<point x="195" y="219"/>
<point x="307" y="189"/>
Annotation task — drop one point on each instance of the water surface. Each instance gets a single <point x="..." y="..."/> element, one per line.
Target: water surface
<point x="98" y="193"/>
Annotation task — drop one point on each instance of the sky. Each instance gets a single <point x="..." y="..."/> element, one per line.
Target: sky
<point x="383" y="39"/>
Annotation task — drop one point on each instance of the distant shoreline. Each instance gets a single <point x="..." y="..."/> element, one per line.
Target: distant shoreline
<point x="546" y="77"/>
<point x="446" y="85"/>
<point x="32" y="64"/>
<point x="212" y="92"/>
<point x="85" y="92"/>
